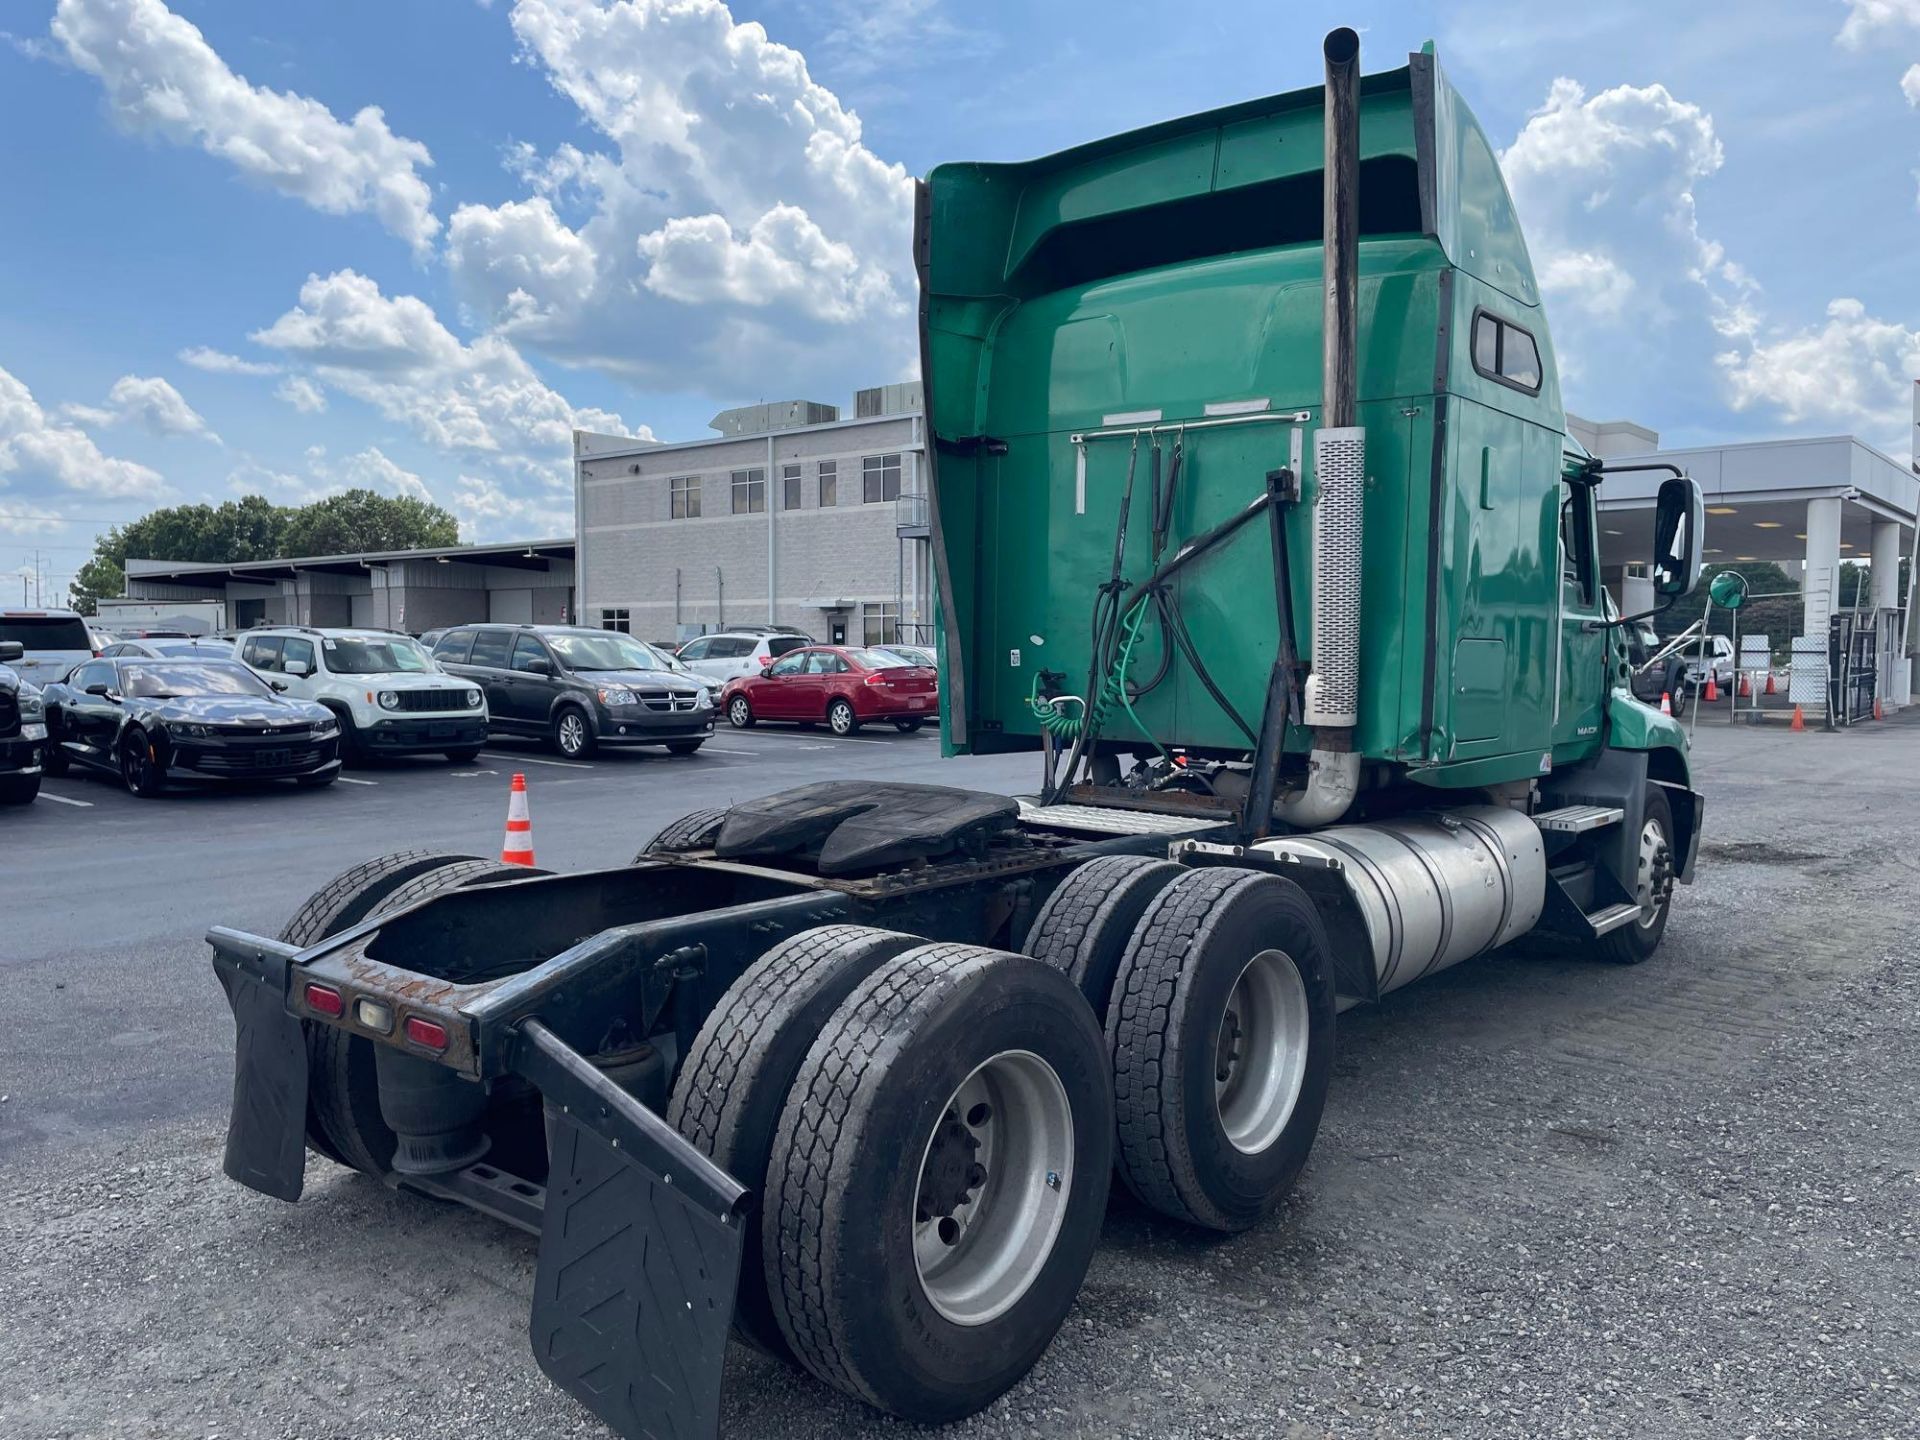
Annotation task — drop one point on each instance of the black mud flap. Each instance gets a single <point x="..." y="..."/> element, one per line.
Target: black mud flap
<point x="267" y="1127"/>
<point x="640" y="1250"/>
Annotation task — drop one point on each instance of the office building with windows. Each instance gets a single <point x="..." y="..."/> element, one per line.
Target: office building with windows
<point x="789" y="515"/>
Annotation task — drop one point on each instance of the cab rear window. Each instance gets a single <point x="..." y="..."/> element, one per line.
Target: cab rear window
<point x="46" y="632"/>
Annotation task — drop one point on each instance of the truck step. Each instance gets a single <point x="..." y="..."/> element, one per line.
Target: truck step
<point x="1578" y="819"/>
<point x="1613" y="917"/>
<point x="1106" y="820"/>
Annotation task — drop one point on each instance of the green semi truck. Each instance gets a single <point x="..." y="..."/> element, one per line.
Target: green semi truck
<point x="1257" y="520"/>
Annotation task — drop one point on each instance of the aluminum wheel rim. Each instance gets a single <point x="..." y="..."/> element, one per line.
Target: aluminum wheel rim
<point x="572" y="732"/>
<point x="841" y="718"/>
<point x="1260" y="1051"/>
<point x="737" y="712"/>
<point x="1651" y="888"/>
<point x="1005" y="1138"/>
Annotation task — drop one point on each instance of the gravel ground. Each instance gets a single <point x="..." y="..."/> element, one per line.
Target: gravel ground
<point x="1550" y="1199"/>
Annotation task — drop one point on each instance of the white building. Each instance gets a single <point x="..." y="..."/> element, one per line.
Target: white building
<point x="789" y="516"/>
<point x="1806" y="505"/>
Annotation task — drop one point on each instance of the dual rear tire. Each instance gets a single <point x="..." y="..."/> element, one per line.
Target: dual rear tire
<point x="931" y="1127"/>
<point x="1216" y="991"/>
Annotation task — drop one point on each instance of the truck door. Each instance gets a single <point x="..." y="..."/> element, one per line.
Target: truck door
<point x="1581" y="696"/>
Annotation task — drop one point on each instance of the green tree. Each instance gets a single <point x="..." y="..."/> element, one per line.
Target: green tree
<point x="365" y="520"/>
<point x="253" y="528"/>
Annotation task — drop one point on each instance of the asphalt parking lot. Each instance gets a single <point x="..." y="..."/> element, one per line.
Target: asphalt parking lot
<point x="1549" y="1199"/>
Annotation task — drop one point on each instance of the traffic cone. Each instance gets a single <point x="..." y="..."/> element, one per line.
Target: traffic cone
<point x="1666" y="702"/>
<point x="1713" y="690"/>
<point x="1746" y="689"/>
<point x="1876" y="709"/>
<point x="1770" y="689"/>
<point x="1799" y="720"/>
<point x="517" y="848"/>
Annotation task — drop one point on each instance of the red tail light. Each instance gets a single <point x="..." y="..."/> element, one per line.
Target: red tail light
<point x="325" y="1000"/>
<point x="877" y="678"/>
<point x="426" y="1033"/>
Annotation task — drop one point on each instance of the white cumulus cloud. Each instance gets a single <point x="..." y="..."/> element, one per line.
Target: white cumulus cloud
<point x="393" y="353"/>
<point x="37" y="447"/>
<point x="737" y="229"/>
<point x="149" y="401"/>
<point x="218" y="362"/>
<point x="1855" y="370"/>
<point x="163" y="79"/>
<point x="1867" y="18"/>
<point x="1910" y="84"/>
<point x="302" y="394"/>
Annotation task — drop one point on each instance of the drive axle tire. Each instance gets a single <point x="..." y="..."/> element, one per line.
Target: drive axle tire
<point x="842" y="719"/>
<point x="696" y="830"/>
<point x="1221" y="1034"/>
<point x="1653" y="887"/>
<point x="19" y="789"/>
<point x="343" y="1092"/>
<point x="740" y="1067"/>
<point x="938" y="1180"/>
<point x="1084" y="926"/>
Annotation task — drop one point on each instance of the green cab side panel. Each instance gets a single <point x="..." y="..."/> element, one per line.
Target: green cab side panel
<point x="1173" y="274"/>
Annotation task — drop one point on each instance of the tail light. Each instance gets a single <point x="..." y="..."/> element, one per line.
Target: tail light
<point x="877" y="678"/>
<point x="325" y="1000"/>
<point x="426" y="1033"/>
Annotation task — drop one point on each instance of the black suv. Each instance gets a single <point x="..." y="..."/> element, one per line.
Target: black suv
<point x="578" y="688"/>
<point x="23" y="731"/>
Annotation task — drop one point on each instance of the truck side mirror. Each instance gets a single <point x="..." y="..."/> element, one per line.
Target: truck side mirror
<point x="1679" y="520"/>
<point x="10" y="651"/>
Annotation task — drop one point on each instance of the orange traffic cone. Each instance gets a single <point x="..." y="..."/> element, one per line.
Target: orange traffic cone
<point x="1746" y="689"/>
<point x="1666" y="702"/>
<point x="1713" y="690"/>
<point x="1799" y="720"/>
<point x="1770" y="689"/>
<point x="517" y="848"/>
<point x="1876" y="709"/>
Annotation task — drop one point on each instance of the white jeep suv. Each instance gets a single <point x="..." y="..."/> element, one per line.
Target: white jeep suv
<point x="392" y="697"/>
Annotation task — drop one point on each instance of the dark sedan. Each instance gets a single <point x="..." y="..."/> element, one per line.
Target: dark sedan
<point x="154" y="721"/>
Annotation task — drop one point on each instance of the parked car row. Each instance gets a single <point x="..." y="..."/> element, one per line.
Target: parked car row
<point x="297" y="702"/>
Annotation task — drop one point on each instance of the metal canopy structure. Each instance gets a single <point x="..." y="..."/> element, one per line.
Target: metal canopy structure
<point x="512" y="555"/>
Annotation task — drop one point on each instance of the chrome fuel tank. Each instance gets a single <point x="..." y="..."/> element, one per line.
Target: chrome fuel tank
<point x="1436" y="887"/>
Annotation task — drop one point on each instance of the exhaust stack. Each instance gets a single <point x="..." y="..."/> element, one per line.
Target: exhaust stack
<point x="1339" y="464"/>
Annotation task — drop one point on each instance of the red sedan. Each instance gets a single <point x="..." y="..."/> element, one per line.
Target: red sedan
<point x="843" y="685"/>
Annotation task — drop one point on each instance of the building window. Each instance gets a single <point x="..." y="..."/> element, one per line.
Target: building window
<point x="789" y="487"/>
<point x="881" y="622"/>
<point x="829" y="481"/>
<point x="749" y="491"/>
<point x="1504" y="352"/>
<point x="880" y="478"/>
<point x="620" y="619"/>
<point x="685" y="493"/>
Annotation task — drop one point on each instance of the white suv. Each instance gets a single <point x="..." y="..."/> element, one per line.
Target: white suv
<point x="728" y="654"/>
<point x="390" y="694"/>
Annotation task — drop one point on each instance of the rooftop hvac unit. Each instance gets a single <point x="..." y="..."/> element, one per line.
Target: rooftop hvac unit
<point x="899" y="399"/>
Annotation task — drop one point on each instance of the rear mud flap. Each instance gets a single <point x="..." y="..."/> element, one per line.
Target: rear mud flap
<point x="267" y="1127"/>
<point x="640" y="1248"/>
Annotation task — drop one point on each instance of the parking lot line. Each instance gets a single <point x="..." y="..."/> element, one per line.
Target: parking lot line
<point x="349" y="780"/>
<point x="63" y="800"/>
<point x="533" y="760"/>
<point x="716" y="750"/>
<point x="837" y="740"/>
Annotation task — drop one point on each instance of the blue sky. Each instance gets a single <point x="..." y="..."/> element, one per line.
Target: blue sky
<point x="411" y="243"/>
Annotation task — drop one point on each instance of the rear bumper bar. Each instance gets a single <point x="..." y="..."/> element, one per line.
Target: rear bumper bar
<point x="640" y="1234"/>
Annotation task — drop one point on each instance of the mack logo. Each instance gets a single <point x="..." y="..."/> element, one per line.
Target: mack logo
<point x="1588" y="730"/>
